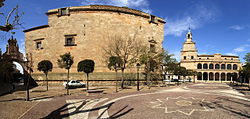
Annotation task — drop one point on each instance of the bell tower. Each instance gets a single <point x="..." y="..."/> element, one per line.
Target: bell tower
<point x="189" y="51"/>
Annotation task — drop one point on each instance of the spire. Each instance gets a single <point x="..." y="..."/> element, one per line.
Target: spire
<point x="189" y="35"/>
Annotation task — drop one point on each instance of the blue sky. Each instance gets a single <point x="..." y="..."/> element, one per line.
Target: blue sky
<point x="218" y="26"/>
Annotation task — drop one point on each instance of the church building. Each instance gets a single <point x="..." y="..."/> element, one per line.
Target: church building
<point x="215" y="67"/>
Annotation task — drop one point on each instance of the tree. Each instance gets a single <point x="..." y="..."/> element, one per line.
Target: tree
<point x="12" y="19"/>
<point x="45" y="66"/>
<point x="66" y="61"/>
<point x="126" y="48"/>
<point x="247" y="58"/>
<point x="246" y="68"/>
<point x="115" y="64"/>
<point x="87" y="66"/>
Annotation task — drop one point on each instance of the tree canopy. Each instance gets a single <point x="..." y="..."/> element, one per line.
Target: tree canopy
<point x="45" y="66"/>
<point x="86" y="66"/>
<point x="65" y="61"/>
<point x="114" y="63"/>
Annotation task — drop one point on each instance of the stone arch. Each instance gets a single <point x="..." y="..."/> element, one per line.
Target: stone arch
<point x="235" y="67"/>
<point x="205" y="76"/>
<point x="229" y="76"/>
<point x="199" y="76"/>
<point x="223" y="76"/>
<point x="211" y="76"/>
<point x="223" y="66"/>
<point x="229" y="66"/>
<point x="199" y="66"/>
<point x="217" y="66"/>
<point x="217" y="76"/>
<point x="211" y="66"/>
<point x="205" y="66"/>
<point x="234" y="76"/>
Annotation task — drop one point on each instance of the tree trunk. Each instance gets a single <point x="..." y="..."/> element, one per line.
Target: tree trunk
<point x="47" y="81"/>
<point x="116" y="82"/>
<point x="67" y="83"/>
<point x="87" y="81"/>
<point x="122" y="85"/>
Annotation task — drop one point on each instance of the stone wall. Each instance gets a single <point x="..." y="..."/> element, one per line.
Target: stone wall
<point x="92" y="29"/>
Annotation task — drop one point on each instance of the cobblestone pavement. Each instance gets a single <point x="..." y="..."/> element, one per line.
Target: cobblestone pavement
<point x="197" y="101"/>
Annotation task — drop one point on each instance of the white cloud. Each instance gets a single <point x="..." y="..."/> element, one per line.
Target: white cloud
<point x="237" y="27"/>
<point x="136" y="4"/>
<point x="195" y="17"/>
<point x="242" y="48"/>
<point x="233" y="54"/>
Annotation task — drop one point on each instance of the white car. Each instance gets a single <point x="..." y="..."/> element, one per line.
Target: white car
<point x="74" y="84"/>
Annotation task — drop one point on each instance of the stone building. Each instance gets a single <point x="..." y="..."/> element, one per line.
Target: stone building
<point x="215" y="67"/>
<point x="84" y="31"/>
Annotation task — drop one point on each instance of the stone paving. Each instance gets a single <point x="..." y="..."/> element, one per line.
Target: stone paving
<point x="197" y="101"/>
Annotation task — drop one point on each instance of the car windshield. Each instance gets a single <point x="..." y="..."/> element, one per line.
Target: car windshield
<point x="77" y="82"/>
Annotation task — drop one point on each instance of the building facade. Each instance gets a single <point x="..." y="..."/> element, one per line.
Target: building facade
<point x="85" y="30"/>
<point x="215" y="67"/>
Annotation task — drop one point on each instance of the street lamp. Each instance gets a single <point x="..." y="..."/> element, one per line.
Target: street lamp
<point x="116" y="83"/>
<point x="28" y="74"/>
<point x="138" y="68"/>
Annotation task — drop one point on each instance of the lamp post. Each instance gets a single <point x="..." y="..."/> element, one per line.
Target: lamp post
<point x="116" y="82"/>
<point x="68" y="65"/>
<point x="138" y="68"/>
<point x="28" y="64"/>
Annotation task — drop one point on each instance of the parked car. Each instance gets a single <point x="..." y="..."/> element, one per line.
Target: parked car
<point x="74" y="84"/>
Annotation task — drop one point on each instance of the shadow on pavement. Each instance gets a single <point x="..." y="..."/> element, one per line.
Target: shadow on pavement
<point x="57" y="114"/>
<point x="230" y="106"/>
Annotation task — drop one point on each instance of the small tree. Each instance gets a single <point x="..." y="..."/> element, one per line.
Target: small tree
<point x="115" y="64"/>
<point x="45" y="66"/>
<point x="87" y="66"/>
<point x="66" y="61"/>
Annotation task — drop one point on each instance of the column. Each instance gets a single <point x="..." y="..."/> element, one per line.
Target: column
<point x="214" y="76"/>
<point x="219" y="76"/>
<point x="201" y="76"/>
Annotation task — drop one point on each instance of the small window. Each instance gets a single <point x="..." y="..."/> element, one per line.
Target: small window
<point x="38" y="45"/>
<point x="152" y="19"/>
<point x="207" y="58"/>
<point x="192" y="57"/>
<point x="199" y="58"/>
<point x="152" y="47"/>
<point x="232" y="58"/>
<point x="184" y="57"/>
<point x="63" y="11"/>
<point x="70" y="40"/>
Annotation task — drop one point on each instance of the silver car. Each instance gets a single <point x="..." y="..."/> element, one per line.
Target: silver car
<point x="74" y="84"/>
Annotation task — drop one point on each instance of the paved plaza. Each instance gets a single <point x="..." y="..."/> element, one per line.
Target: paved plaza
<point x="192" y="101"/>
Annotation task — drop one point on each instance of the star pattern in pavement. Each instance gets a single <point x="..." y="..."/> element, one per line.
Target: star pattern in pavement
<point x="181" y="104"/>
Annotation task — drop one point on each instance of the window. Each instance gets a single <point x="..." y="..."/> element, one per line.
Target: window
<point x="39" y="45"/>
<point x="217" y="66"/>
<point x="235" y="67"/>
<point x="152" y="48"/>
<point x="211" y="66"/>
<point x="205" y="66"/>
<point x="70" y="40"/>
<point x="229" y="66"/>
<point x="63" y="12"/>
<point x="192" y="57"/>
<point x="152" y="19"/>
<point x="223" y="66"/>
<point x="184" y="57"/>
<point x="199" y="66"/>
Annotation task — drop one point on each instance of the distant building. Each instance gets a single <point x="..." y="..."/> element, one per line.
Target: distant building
<point x="215" y="67"/>
<point x="84" y="32"/>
